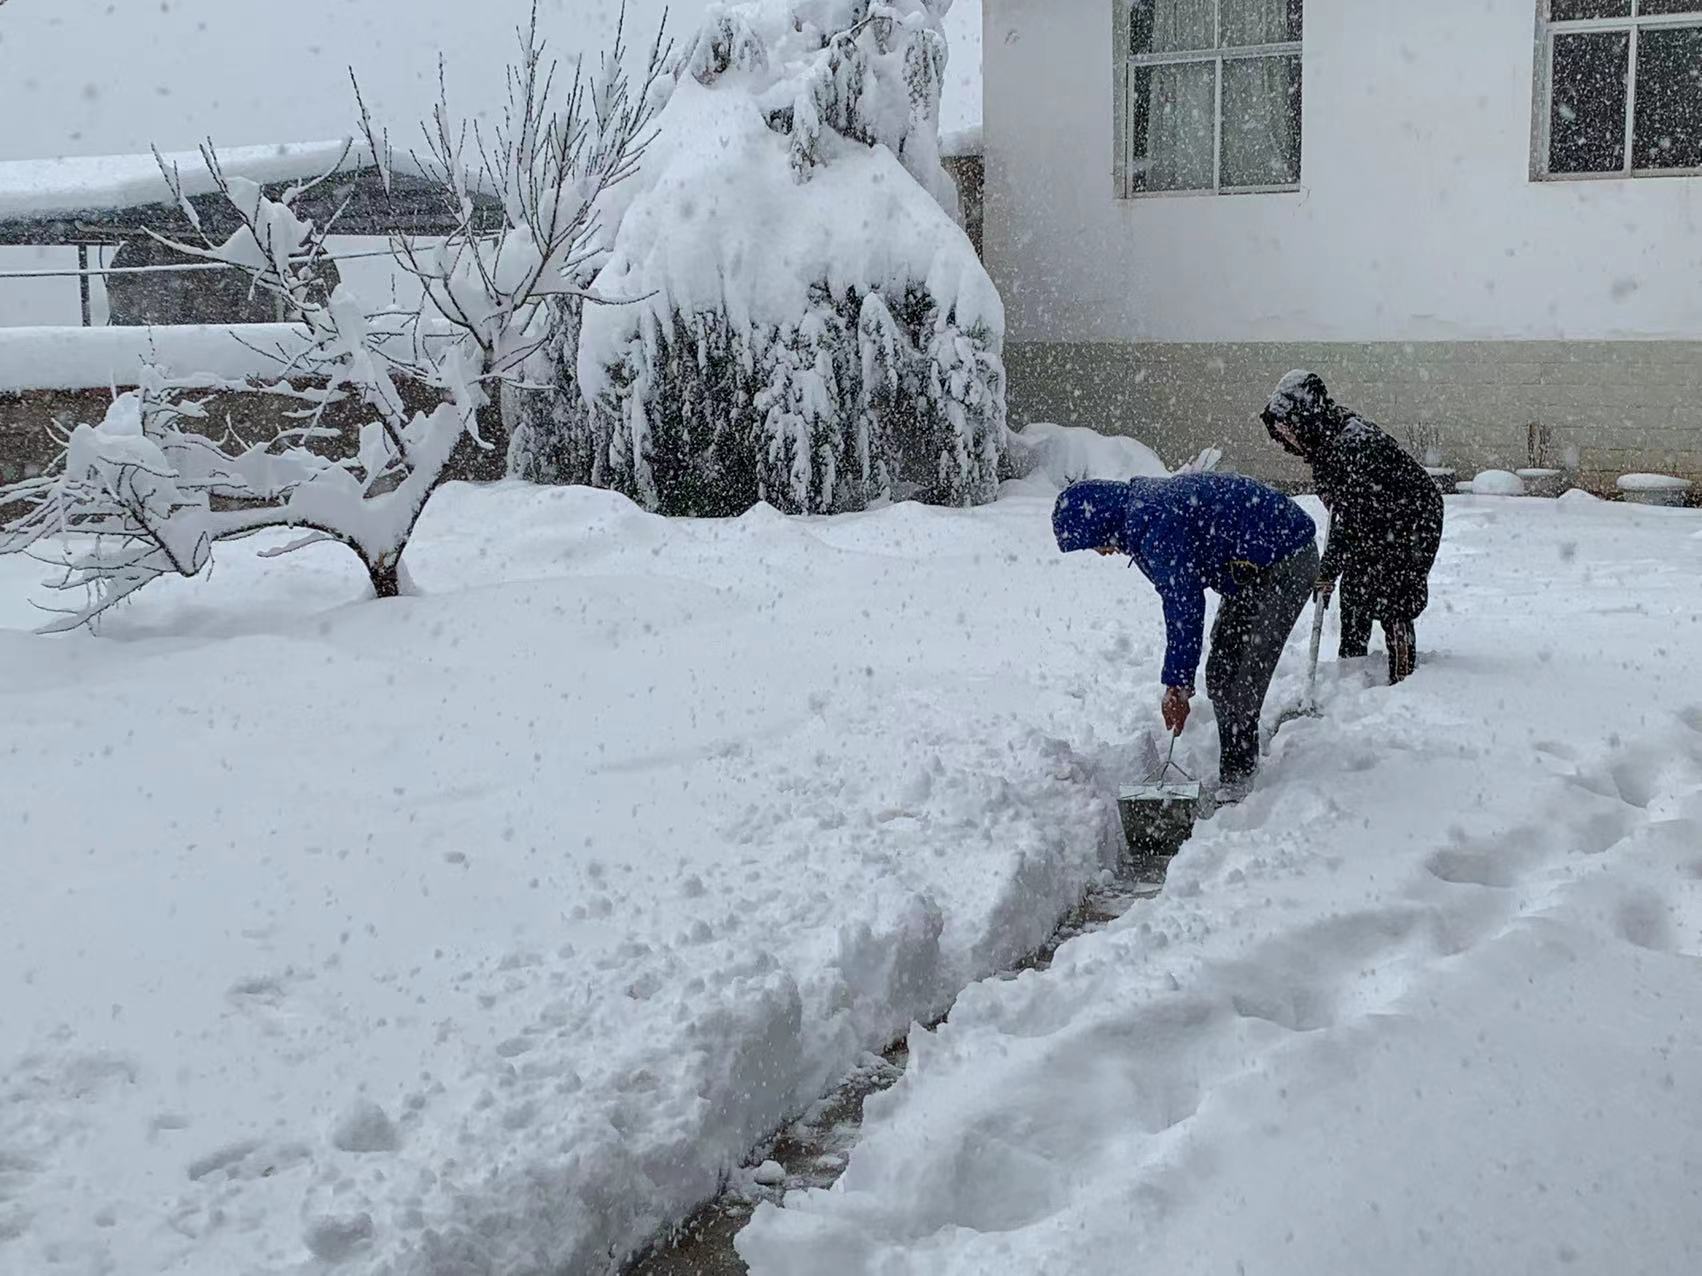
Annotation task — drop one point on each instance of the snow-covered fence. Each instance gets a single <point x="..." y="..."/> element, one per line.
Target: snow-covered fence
<point x="95" y="358"/>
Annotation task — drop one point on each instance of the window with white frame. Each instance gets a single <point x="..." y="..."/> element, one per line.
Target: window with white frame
<point x="1623" y="82"/>
<point x="1211" y="95"/>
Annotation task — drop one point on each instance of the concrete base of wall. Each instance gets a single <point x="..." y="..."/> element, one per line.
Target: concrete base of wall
<point x="1626" y="406"/>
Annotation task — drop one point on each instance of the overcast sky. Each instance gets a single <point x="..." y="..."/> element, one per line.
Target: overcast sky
<point x="100" y="77"/>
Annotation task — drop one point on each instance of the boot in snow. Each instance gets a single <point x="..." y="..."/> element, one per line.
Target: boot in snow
<point x="1403" y="649"/>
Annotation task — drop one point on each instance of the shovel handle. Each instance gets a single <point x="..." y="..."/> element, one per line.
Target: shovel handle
<point x="1170" y="764"/>
<point x="1320" y="604"/>
<point x="1312" y="658"/>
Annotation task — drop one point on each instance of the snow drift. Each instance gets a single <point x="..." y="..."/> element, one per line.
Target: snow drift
<point x="1063" y="454"/>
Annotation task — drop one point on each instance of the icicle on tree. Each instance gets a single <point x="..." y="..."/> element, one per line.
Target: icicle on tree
<point x="808" y="325"/>
<point x="148" y="491"/>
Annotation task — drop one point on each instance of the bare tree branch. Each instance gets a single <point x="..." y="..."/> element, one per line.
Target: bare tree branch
<point x="147" y="493"/>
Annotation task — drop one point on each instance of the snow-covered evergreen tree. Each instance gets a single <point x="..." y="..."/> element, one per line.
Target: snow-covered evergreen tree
<point x="798" y="318"/>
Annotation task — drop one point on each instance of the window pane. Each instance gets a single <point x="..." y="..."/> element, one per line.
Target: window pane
<point x="1261" y="121"/>
<point x="1171" y="126"/>
<point x="1650" y="8"/>
<point x="1572" y="10"/>
<point x="1248" y="22"/>
<point x="1172" y="26"/>
<point x="1669" y="99"/>
<point x="1587" y="103"/>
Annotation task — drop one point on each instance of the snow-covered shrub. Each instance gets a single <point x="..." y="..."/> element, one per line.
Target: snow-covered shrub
<point x="547" y="442"/>
<point x="801" y="320"/>
<point x="148" y="492"/>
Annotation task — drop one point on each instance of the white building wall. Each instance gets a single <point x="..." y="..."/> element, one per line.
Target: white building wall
<point x="1417" y="219"/>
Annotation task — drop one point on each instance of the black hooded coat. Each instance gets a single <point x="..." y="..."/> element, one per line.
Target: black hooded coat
<point x="1385" y="510"/>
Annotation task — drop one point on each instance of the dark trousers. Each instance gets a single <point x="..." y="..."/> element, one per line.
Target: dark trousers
<point x="1358" y="614"/>
<point x="1247" y="639"/>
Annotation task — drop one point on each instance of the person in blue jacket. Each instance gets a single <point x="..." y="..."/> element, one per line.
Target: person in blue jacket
<point x="1194" y="532"/>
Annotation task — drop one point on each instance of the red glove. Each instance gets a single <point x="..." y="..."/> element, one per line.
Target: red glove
<point x="1175" y="708"/>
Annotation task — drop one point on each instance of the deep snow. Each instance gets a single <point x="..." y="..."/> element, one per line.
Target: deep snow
<point x="481" y="931"/>
<point x="478" y="931"/>
<point x="1428" y="1002"/>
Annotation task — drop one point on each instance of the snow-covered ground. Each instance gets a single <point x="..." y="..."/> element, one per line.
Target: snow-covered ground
<point x="480" y="931"/>
<point x="1429" y="1002"/>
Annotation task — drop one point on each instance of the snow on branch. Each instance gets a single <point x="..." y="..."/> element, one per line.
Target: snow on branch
<point x="147" y="492"/>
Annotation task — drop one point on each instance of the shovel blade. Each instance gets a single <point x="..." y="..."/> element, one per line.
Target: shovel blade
<point x="1161" y="794"/>
<point x="1157" y="817"/>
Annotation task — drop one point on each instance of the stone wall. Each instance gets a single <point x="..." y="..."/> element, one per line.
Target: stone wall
<point x="1624" y="405"/>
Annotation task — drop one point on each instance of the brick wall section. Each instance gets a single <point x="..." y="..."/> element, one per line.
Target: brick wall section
<point x="28" y="420"/>
<point x="1626" y="405"/>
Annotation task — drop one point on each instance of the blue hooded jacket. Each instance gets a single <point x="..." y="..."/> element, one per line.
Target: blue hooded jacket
<point x="1188" y="534"/>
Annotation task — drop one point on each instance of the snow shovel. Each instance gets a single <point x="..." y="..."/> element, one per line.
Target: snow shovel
<point x="1158" y="813"/>
<point x="1308" y="706"/>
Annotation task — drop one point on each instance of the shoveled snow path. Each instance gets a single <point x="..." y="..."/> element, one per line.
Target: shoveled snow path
<point x="481" y="931"/>
<point x="1430" y="1001"/>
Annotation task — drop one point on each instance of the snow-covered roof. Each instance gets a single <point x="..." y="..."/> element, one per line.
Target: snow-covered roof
<point x="104" y="183"/>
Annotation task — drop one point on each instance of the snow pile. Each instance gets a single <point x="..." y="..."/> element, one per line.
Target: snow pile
<point x="808" y="325"/>
<point x="1653" y="483"/>
<point x="1428" y="1002"/>
<point x="96" y="358"/>
<point x="1497" y="483"/>
<point x="1655" y="489"/>
<point x="1061" y="454"/>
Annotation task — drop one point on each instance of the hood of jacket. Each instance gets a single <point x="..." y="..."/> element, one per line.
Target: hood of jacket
<point x="1302" y="402"/>
<point x="1091" y="515"/>
<point x="1104" y="514"/>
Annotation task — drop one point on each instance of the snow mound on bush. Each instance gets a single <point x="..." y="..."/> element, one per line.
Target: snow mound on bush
<point x="1497" y="483"/>
<point x="726" y="227"/>
<point x="1063" y="454"/>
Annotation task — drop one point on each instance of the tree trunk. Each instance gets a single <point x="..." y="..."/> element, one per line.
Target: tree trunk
<point x="386" y="575"/>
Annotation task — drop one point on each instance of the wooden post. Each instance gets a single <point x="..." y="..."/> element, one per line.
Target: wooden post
<point x="83" y="282"/>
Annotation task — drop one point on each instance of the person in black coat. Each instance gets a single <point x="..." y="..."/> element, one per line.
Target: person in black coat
<point x="1385" y="516"/>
